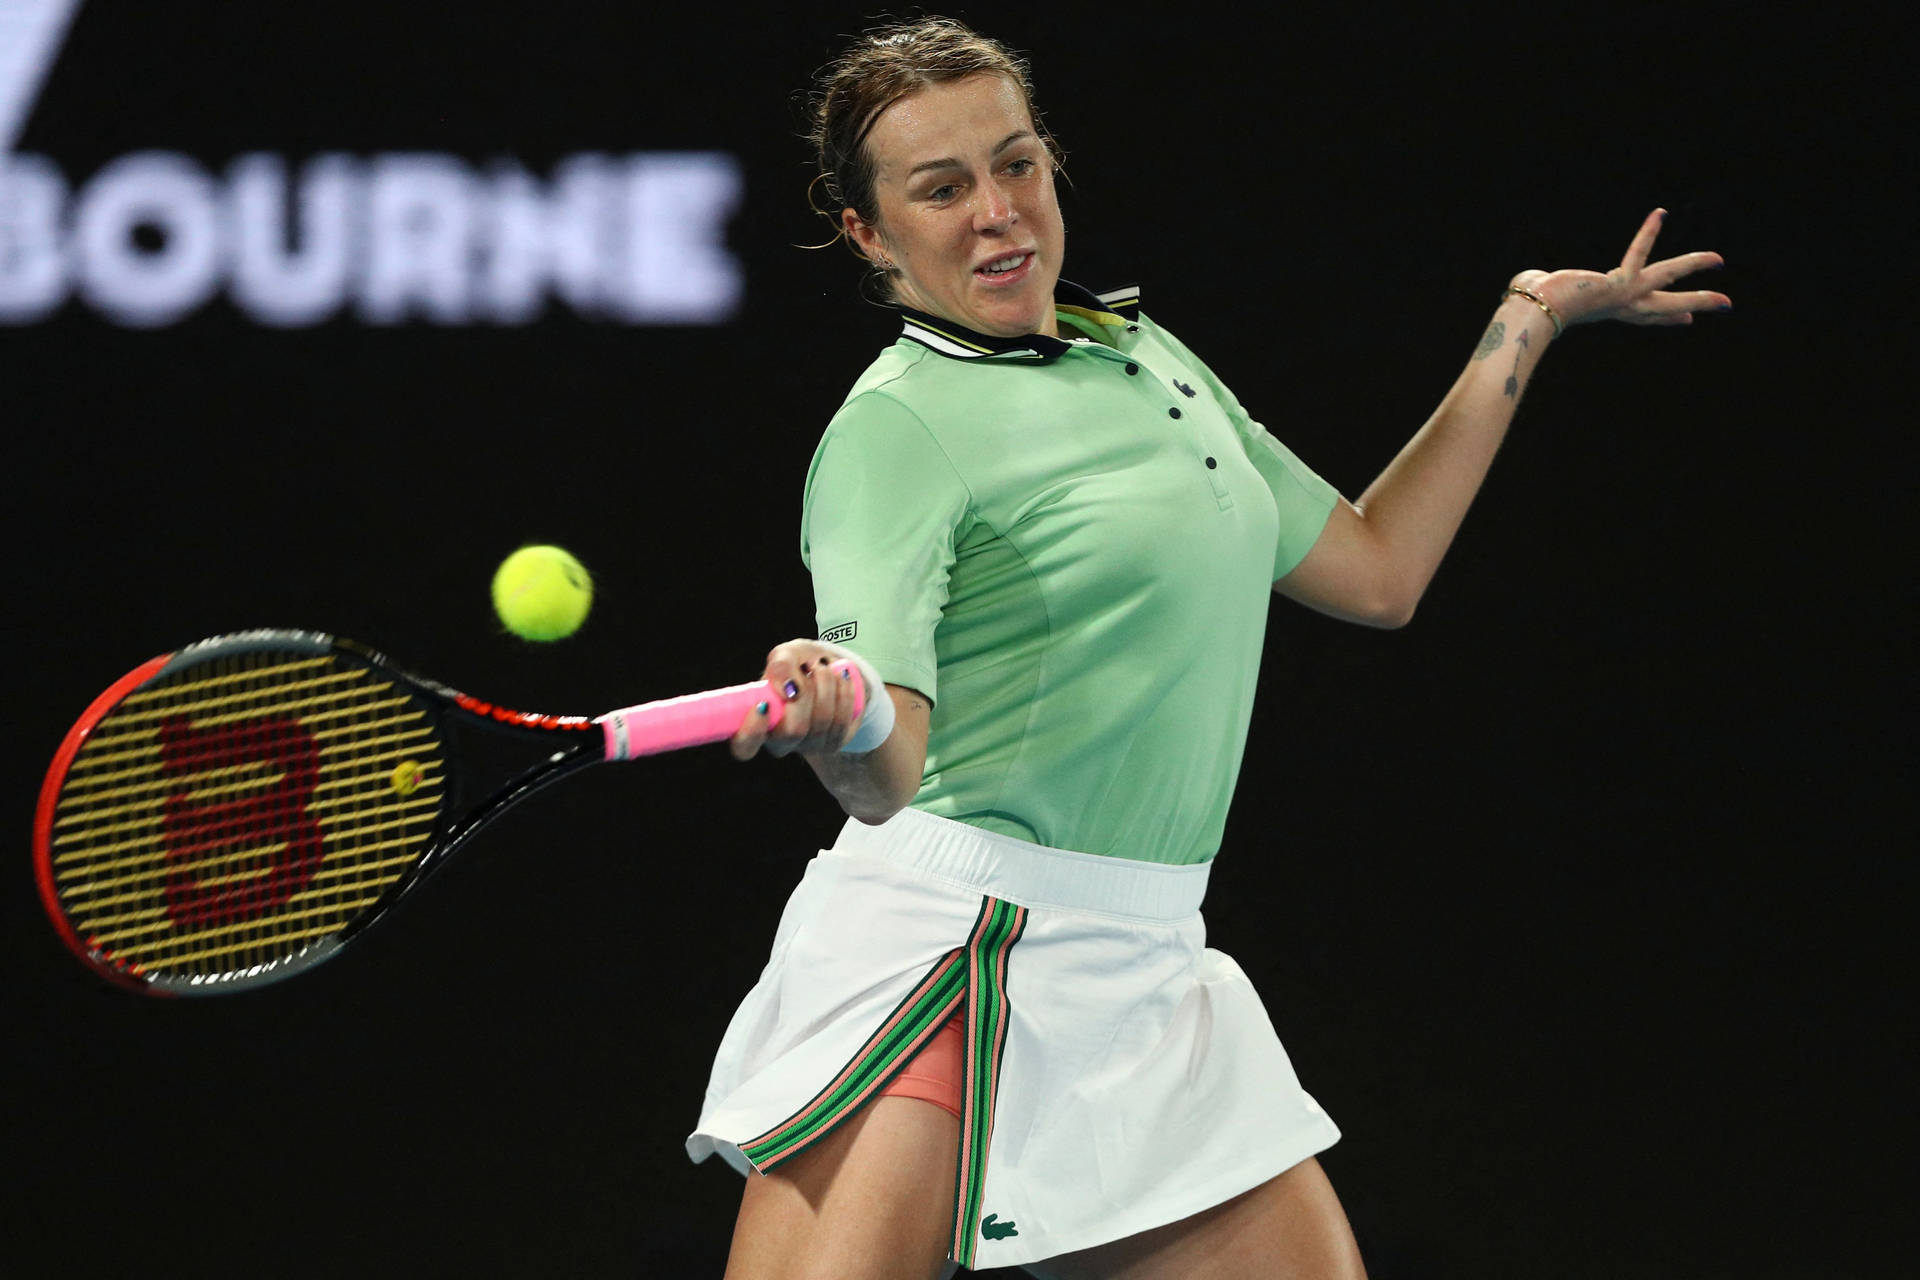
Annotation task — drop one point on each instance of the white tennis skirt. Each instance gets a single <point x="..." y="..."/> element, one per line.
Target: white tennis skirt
<point x="1120" y="1074"/>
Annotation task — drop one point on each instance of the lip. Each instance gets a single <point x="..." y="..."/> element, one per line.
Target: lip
<point x="1012" y="277"/>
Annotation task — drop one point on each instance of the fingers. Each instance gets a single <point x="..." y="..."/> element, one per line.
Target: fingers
<point x="817" y="705"/>
<point x="1642" y="246"/>
<point x="752" y="733"/>
<point x="821" y="717"/>
<point x="1634" y="291"/>
<point x="1665" y="272"/>
<point x="1696" y="300"/>
<point x="1678" y="308"/>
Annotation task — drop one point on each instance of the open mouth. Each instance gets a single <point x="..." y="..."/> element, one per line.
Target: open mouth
<point x="1003" y="269"/>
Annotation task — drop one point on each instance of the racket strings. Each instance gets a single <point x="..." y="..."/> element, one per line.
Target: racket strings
<point x="312" y="722"/>
<point x="137" y="807"/>
<point x="225" y="816"/>
<point x="134" y="855"/>
<point x="148" y="913"/>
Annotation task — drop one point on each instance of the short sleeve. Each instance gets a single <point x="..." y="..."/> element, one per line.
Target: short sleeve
<point x="883" y="512"/>
<point x="1304" y="499"/>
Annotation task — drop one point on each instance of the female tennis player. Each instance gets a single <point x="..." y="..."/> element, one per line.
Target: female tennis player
<point x="990" y="1032"/>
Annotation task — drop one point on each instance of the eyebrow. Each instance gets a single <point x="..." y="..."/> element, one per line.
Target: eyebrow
<point x="948" y="162"/>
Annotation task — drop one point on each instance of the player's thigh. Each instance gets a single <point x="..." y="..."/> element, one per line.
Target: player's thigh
<point x="872" y="1199"/>
<point x="1288" y="1228"/>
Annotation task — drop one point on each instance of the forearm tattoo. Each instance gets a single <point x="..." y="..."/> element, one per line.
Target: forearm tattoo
<point x="1490" y="340"/>
<point x="1520" y="344"/>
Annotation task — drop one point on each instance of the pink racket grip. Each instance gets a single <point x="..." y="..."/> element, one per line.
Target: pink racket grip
<point x="700" y="718"/>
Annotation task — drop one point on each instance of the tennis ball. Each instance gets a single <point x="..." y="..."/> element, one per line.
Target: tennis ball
<point x="542" y="593"/>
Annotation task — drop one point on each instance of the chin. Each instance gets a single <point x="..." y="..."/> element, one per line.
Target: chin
<point x="1008" y="322"/>
<point x="1004" y="328"/>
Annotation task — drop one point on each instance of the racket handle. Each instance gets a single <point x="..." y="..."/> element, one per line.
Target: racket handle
<point x="700" y="718"/>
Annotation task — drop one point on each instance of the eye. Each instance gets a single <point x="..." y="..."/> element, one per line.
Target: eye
<point x="945" y="191"/>
<point x="1022" y="167"/>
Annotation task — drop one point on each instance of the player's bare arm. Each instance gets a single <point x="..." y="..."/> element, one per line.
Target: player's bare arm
<point x="1374" y="560"/>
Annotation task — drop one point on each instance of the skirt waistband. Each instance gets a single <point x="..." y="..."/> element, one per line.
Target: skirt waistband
<point x="1029" y="874"/>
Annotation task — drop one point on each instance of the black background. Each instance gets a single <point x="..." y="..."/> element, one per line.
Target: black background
<point x="1575" y="902"/>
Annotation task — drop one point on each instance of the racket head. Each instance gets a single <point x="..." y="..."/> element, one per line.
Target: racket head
<point x="229" y="814"/>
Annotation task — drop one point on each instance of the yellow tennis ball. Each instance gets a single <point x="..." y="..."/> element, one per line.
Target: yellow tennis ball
<point x="542" y="593"/>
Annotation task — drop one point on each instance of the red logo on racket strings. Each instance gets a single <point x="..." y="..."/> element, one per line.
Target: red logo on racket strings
<point x="214" y="837"/>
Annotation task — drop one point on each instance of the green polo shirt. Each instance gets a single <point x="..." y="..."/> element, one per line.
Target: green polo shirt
<point x="1068" y="545"/>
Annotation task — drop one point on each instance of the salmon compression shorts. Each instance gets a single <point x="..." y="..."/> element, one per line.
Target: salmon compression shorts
<point x="935" y="1073"/>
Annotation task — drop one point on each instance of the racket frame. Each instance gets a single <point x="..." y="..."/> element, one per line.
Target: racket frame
<point x="623" y="734"/>
<point x="452" y="828"/>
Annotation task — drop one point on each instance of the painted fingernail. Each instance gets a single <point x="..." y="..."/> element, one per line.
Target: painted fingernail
<point x="760" y="708"/>
<point x="806" y="668"/>
<point x="846" y="673"/>
<point x="791" y="689"/>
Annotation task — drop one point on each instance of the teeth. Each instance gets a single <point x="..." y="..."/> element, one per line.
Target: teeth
<point x="1006" y="264"/>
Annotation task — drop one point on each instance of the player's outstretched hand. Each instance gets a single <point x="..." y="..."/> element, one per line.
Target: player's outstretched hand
<point x="820" y="703"/>
<point x="1635" y="291"/>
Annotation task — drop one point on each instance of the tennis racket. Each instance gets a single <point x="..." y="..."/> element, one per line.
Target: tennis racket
<point x="238" y="811"/>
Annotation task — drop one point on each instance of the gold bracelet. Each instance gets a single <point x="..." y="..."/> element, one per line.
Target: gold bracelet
<point x="1515" y="291"/>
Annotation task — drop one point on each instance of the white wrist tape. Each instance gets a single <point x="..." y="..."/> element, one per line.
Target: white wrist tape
<point x="876" y="719"/>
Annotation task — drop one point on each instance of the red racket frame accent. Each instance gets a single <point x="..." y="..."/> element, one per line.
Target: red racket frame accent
<point x="43" y="820"/>
<point x="520" y="719"/>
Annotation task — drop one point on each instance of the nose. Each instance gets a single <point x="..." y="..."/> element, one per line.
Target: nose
<point x="993" y="211"/>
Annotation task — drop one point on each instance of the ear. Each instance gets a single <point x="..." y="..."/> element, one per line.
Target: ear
<point x="863" y="236"/>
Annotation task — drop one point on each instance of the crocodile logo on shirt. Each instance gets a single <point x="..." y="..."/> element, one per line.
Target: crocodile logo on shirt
<point x="1185" y="390"/>
<point x="993" y="1229"/>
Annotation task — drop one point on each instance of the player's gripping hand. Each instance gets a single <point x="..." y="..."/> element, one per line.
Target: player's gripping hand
<point x="820" y="702"/>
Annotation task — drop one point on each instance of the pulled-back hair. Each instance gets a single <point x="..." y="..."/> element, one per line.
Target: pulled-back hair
<point x="883" y="66"/>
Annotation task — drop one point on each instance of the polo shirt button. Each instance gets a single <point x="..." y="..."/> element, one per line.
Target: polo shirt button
<point x="1173" y="413"/>
<point x="1211" y="464"/>
<point x="1133" y="328"/>
<point x="1133" y="368"/>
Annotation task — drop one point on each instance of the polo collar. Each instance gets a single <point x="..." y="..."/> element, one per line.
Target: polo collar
<point x="1115" y="307"/>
